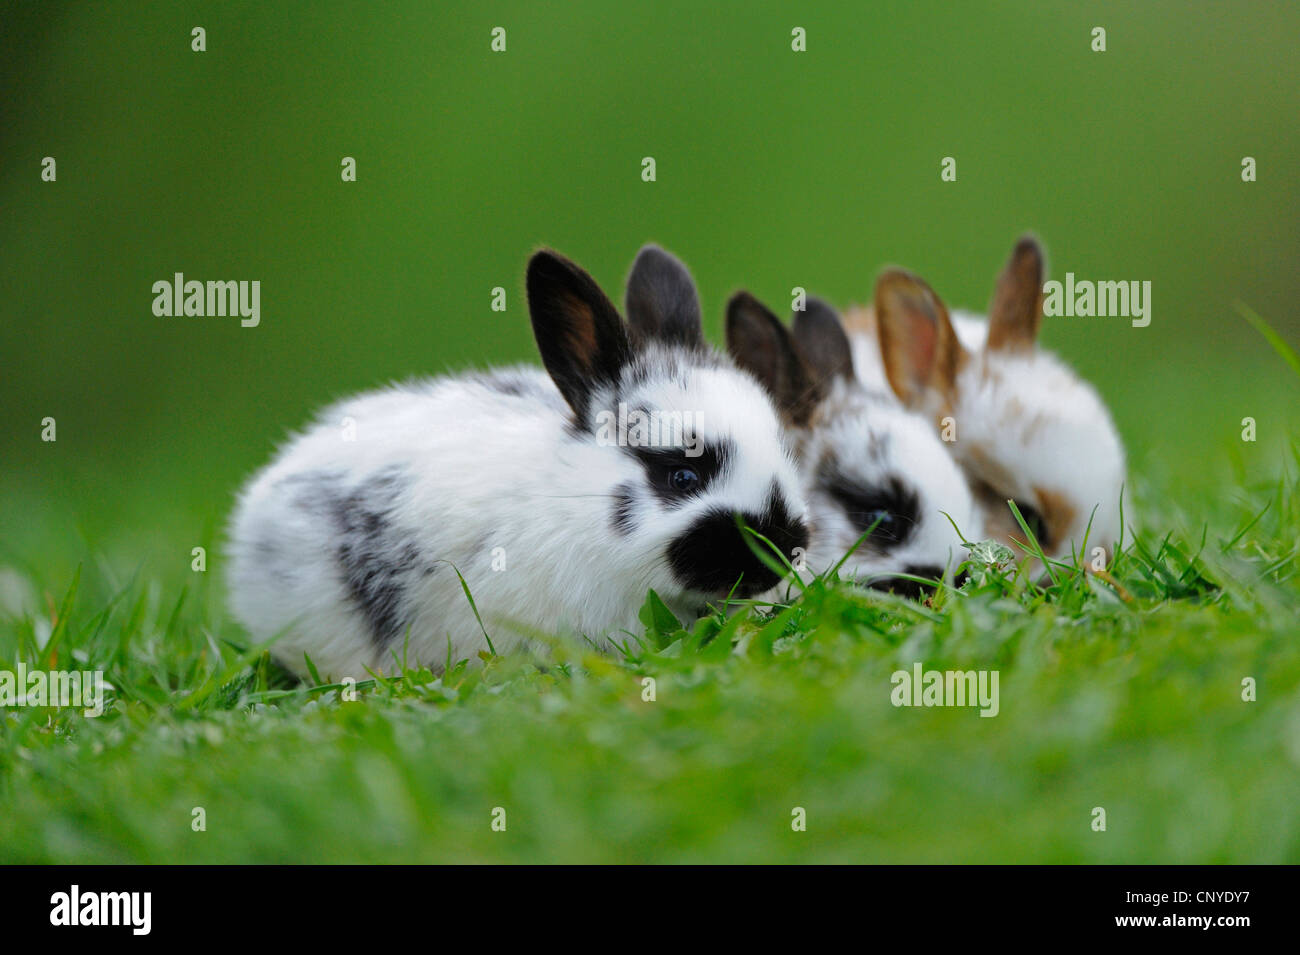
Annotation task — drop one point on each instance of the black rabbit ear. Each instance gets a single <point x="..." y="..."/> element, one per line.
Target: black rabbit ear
<point x="821" y="337"/>
<point x="579" y="332"/>
<point x="662" y="304"/>
<point x="764" y="347"/>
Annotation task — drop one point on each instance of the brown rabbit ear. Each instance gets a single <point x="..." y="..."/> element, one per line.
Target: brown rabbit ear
<point x="762" y="346"/>
<point x="1016" y="311"/>
<point x="821" y="338"/>
<point x="918" y="346"/>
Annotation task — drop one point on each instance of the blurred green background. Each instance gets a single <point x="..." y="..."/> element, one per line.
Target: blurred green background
<point x="775" y="169"/>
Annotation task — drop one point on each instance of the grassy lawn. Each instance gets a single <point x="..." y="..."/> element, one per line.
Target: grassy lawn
<point x="1124" y="694"/>
<point x="776" y="169"/>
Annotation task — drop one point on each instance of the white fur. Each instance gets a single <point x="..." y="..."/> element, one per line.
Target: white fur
<point x="484" y="470"/>
<point x="875" y="440"/>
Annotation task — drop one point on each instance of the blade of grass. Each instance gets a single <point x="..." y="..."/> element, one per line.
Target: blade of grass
<point x="1275" y="341"/>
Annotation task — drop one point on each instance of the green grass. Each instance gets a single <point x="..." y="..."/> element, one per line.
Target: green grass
<point x="775" y="170"/>
<point x="1123" y="693"/>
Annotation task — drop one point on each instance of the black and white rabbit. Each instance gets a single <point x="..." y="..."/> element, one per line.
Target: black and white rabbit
<point x="343" y="548"/>
<point x="864" y="460"/>
<point x="1024" y="427"/>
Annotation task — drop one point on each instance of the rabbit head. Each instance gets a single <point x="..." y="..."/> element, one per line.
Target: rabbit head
<point x="1024" y="426"/>
<point x="865" y="462"/>
<point x="694" y="446"/>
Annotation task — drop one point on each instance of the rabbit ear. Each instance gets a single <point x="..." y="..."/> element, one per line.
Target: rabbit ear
<point x="821" y="338"/>
<point x="918" y="346"/>
<point x="761" y="345"/>
<point x="662" y="303"/>
<point x="1017" y="308"/>
<point x="579" y="332"/>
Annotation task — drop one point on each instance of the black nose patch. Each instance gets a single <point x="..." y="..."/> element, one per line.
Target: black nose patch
<point x="909" y="588"/>
<point x="713" y="554"/>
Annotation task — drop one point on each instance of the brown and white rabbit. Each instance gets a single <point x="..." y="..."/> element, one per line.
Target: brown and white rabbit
<point x="1021" y="424"/>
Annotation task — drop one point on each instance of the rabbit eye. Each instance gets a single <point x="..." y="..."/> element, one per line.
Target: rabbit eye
<point x="683" y="480"/>
<point x="886" y="525"/>
<point x="1034" y="521"/>
<point x="675" y="474"/>
<point x="889" y="509"/>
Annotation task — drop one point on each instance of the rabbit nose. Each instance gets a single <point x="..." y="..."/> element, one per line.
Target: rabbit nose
<point x="928" y="571"/>
<point x="910" y="588"/>
<point x="788" y="534"/>
<point x="713" y="554"/>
